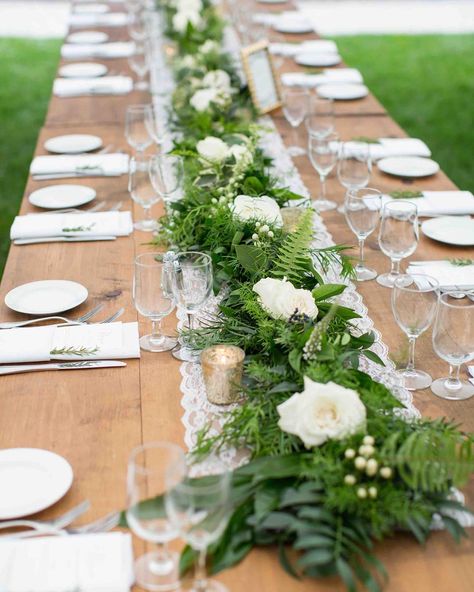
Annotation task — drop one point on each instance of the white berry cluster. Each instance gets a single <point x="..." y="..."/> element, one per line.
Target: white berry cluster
<point x="262" y="231"/>
<point x="366" y="464"/>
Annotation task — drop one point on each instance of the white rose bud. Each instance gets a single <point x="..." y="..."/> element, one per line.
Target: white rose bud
<point x="362" y="492"/>
<point x="350" y="453"/>
<point x="212" y="149"/>
<point x="349" y="480"/>
<point x="386" y="472"/>
<point x="271" y="234"/>
<point x="373" y="492"/>
<point x="368" y="440"/>
<point x="371" y="467"/>
<point x="366" y="450"/>
<point x="264" y="208"/>
<point x="360" y="463"/>
<point x="254" y="236"/>
<point x="280" y="299"/>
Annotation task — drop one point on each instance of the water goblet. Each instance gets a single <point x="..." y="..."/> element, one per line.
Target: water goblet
<point x="136" y="130"/>
<point x="153" y="298"/>
<point x="323" y="157"/>
<point x="320" y="118"/>
<point x="137" y="24"/>
<point x="353" y="166"/>
<point x="295" y="108"/>
<point x="142" y="191"/>
<point x="453" y="341"/>
<point x="398" y="236"/>
<point x="414" y="304"/>
<point x="139" y="62"/>
<point x="166" y="174"/>
<point x="362" y="210"/>
<point x="154" y="127"/>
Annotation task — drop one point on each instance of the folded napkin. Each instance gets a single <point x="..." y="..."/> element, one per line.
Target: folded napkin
<point x="95" y="224"/>
<point x="471" y="372"/>
<point x="103" y="341"/>
<point x="328" y="76"/>
<point x="292" y="49"/>
<point x="389" y="147"/>
<point x="122" y="49"/>
<point x="109" y="19"/>
<point x="88" y="562"/>
<point x="108" y="165"/>
<point x="107" y="85"/>
<point x="442" y="203"/>
<point x="447" y="274"/>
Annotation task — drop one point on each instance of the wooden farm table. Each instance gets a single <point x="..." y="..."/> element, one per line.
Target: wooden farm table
<point x="94" y="418"/>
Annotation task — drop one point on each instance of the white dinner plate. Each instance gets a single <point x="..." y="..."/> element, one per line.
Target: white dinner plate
<point x="62" y="196"/>
<point x="73" y="144"/>
<point x="46" y="297"/>
<point x="88" y="37"/>
<point x="293" y="26"/>
<point x="272" y="1"/>
<point x="342" y="91"/>
<point x="83" y="70"/>
<point x="408" y="166"/>
<point x="91" y="8"/>
<point x="453" y="230"/>
<point x="32" y="480"/>
<point x="317" y="59"/>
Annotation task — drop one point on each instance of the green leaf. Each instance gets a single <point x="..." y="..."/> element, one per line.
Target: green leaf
<point x="285" y="561"/>
<point x="368" y="353"/>
<point x="294" y="359"/>
<point x="347" y="575"/>
<point x="252" y="258"/>
<point x="283" y="387"/>
<point x="252" y="186"/>
<point x="315" y="557"/>
<point x="327" y="291"/>
<point x="309" y="541"/>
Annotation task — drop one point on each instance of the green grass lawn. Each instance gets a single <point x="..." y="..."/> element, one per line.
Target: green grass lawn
<point x="425" y="82"/>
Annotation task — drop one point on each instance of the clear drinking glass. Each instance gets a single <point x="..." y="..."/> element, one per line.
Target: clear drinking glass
<point x="154" y="128"/>
<point x="192" y="284"/>
<point x="295" y="109"/>
<point x="200" y="510"/>
<point x="166" y="173"/>
<point x="136" y="130"/>
<point x="142" y="191"/>
<point x="353" y="166"/>
<point x="453" y="341"/>
<point x="153" y="297"/>
<point x="398" y="236"/>
<point x="323" y="157"/>
<point x="362" y="210"/>
<point x="146" y="478"/>
<point x="414" y="304"/>
<point x="320" y="118"/>
<point x="137" y="24"/>
<point x="139" y="62"/>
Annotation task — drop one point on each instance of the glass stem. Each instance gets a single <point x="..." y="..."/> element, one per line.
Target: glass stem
<point x="322" y="195"/>
<point x="453" y="383"/>
<point x="411" y="353"/>
<point x="395" y="269"/>
<point x="147" y="211"/>
<point x="156" y="334"/>
<point x="295" y="136"/>
<point x="361" y="252"/>
<point x="190" y="327"/>
<point x="200" y="580"/>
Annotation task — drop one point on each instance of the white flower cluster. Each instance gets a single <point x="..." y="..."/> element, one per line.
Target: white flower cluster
<point x="216" y="89"/>
<point x="262" y="209"/>
<point x="216" y="151"/>
<point x="280" y="299"/>
<point x="187" y="12"/>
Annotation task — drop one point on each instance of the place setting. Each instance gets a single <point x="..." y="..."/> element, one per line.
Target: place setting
<point x="81" y="165"/>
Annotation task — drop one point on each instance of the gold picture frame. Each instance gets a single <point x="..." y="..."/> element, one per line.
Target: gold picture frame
<point x="261" y="76"/>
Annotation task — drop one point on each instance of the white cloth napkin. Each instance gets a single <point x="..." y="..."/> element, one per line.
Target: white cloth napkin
<point x="120" y="49"/>
<point x="447" y="274"/>
<point x="107" y="85"/>
<point x="109" y="19"/>
<point x="442" y="203"/>
<point x="389" y="147"/>
<point x="108" y="165"/>
<point x="292" y="49"/>
<point x="89" y="563"/>
<point x="471" y="372"/>
<point x="95" y="224"/>
<point x="105" y="341"/>
<point x="328" y="76"/>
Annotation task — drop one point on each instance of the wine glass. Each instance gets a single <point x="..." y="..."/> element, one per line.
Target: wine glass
<point x="153" y="297"/>
<point x="353" y="166"/>
<point x="137" y="24"/>
<point x="200" y="510"/>
<point x="362" y="210"/>
<point x="142" y="191"/>
<point x="398" y="236"/>
<point x="453" y="341"/>
<point x="166" y="174"/>
<point x="136" y="130"/>
<point x="295" y="108"/>
<point x="154" y="128"/>
<point x="414" y="304"/>
<point x="146" y="478"/>
<point x="139" y="62"/>
<point x="323" y="157"/>
<point x="192" y="287"/>
<point x="320" y="118"/>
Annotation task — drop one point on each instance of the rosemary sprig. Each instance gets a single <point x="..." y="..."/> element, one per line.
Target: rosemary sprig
<point x="72" y="351"/>
<point x="405" y="194"/>
<point x="461" y="262"/>
<point x="79" y="228"/>
<point x="366" y="140"/>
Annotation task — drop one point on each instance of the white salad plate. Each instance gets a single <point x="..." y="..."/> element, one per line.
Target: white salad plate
<point x="342" y="91"/>
<point x="88" y="37"/>
<point x="293" y="26"/>
<point x="55" y="197"/>
<point x="452" y="230"/>
<point x="272" y="1"/>
<point x="46" y="297"/>
<point x="73" y="144"/>
<point x="408" y="166"/>
<point x="317" y="59"/>
<point x="32" y="480"/>
<point x="91" y="8"/>
<point x="83" y="70"/>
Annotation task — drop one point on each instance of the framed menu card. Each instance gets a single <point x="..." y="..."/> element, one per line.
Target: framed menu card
<point x="261" y="76"/>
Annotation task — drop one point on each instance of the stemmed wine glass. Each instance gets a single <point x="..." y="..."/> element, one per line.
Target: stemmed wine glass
<point x="137" y="24"/>
<point x="362" y="210"/>
<point x="353" y="166"/>
<point x="146" y="478"/>
<point x="398" y="236"/>
<point x="192" y="284"/>
<point x="142" y="191"/>
<point x="200" y="510"/>
<point x="323" y="157"/>
<point x="295" y="108"/>
<point x="166" y="174"/>
<point x="453" y="341"/>
<point x="139" y="62"/>
<point x="414" y="304"/>
<point x="154" y="129"/>
<point x="136" y="130"/>
<point x="153" y="298"/>
<point x="319" y="121"/>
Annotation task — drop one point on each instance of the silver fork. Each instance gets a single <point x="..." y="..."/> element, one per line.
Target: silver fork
<point x="113" y="317"/>
<point x="78" y="320"/>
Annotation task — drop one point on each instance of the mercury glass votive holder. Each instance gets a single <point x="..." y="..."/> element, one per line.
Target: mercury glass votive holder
<point x="222" y="368"/>
<point x="291" y="217"/>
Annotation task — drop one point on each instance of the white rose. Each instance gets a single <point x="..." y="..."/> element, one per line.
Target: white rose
<point x="188" y="61"/>
<point x="209" y="46"/>
<point x="322" y="412"/>
<point x="213" y="149"/>
<point x="280" y="299"/>
<point x="217" y="79"/>
<point x="262" y="208"/>
<point x="183" y="17"/>
<point x="241" y="154"/>
<point x="202" y="99"/>
<point x="188" y="5"/>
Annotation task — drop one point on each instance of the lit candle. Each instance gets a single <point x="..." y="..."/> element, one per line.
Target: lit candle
<point x="222" y="367"/>
<point x="291" y="217"/>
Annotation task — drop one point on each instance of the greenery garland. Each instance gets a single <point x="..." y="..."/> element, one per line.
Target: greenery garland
<point x="328" y="501"/>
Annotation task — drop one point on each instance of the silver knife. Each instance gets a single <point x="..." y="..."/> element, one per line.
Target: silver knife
<point x="62" y="239"/>
<point x="79" y="365"/>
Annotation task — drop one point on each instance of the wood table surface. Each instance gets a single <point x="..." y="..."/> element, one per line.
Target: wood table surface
<point x="94" y="418"/>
